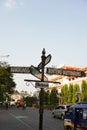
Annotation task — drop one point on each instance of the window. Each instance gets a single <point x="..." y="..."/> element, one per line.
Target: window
<point x="85" y="114"/>
<point x="69" y="112"/>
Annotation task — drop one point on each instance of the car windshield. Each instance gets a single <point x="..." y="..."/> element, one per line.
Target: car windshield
<point x="69" y="112"/>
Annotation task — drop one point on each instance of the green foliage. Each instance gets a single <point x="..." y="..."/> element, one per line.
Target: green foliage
<point x="30" y="101"/>
<point x="6" y="83"/>
<point x="70" y="93"/>
<point x="1" y="95"/>
<point x="64" y="93"/>
<point x="84" y="91"/>
<point x="54" y="96"/>
<point x="76" y="89"/>
<point x="46" y="97"/>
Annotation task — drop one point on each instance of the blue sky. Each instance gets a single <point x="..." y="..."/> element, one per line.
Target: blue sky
<point x="28" y="26"/>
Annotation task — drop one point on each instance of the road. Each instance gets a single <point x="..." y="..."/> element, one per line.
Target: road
<point x="19" y="119"/>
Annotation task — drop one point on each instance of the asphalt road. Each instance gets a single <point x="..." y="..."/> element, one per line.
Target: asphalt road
<point x="19" y="119"/>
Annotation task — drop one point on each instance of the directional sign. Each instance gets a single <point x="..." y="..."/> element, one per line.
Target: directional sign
<point x="47" y="60"/>
<point x="18" y="69"/>
<point x="41" y="85"/>
<point x="34" y="71"/>
<point x="65" y="72"/>
<point x="30" y="80"/>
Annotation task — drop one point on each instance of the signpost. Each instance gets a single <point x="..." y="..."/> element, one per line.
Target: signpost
<point x="39" y="73"/>
<point x="65" y="72"/>
<point x="41" y="84"/>
<point x="47" y="60"/>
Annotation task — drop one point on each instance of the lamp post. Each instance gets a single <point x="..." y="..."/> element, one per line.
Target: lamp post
<point x="43" y="57"/>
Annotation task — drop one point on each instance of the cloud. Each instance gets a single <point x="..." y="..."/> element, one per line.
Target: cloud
<point x="13" y="3"/>
<point x="10" y="3"/>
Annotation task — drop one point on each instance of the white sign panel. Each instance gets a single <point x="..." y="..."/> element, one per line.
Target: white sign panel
<point x="41" y="85"/>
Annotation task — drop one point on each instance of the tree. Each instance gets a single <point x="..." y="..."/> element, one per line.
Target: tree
<point x="84" y="91"/>
<point x="76" y="90"/>
<point x="64" y="93"/>
<point x="46" y="97"/>
<point x="30" y="100"/>
<point x="54" y="96"/>
<point x="7" y="84"/>
<point x="70" y="94"/>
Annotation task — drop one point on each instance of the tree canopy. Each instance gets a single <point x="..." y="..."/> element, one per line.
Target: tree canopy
<point x="7" y="83"/>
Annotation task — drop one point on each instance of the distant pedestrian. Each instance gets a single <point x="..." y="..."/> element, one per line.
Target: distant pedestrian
<point x="24" y="106"/>
<point x="6" y="105"/>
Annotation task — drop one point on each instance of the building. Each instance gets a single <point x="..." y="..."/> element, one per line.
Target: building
<point x="67" y="79"/>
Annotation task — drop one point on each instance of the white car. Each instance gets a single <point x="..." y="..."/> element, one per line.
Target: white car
<point x="59" y="111"/>
<point x="12" y="103"/>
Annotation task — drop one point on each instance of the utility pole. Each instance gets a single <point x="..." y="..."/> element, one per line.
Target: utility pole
<point x="43" y="57"/>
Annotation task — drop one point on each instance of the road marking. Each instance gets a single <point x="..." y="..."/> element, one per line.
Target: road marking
<point x="19" y="119"/>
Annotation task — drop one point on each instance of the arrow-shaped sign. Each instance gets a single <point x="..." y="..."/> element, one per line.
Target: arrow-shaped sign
<point x="34" y="71"/>
<point x="47" y="60"/>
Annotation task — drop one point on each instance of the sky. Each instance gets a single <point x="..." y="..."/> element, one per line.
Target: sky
<point x="28" y="26"/>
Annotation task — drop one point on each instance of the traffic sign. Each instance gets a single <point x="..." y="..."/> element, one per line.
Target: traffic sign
<point x="65" y="72"/>
<point x="47" y="60"/>
<point x="41" y="85"/>
<point x="34" y="71"/>
<point x="18" y="69"/>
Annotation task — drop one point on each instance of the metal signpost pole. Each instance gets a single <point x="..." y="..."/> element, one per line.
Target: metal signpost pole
<point x="42" y="93"/>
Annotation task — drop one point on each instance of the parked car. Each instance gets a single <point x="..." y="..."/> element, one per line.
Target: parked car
<point x="12" y="102"/>
<point x="59" y="111"/>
